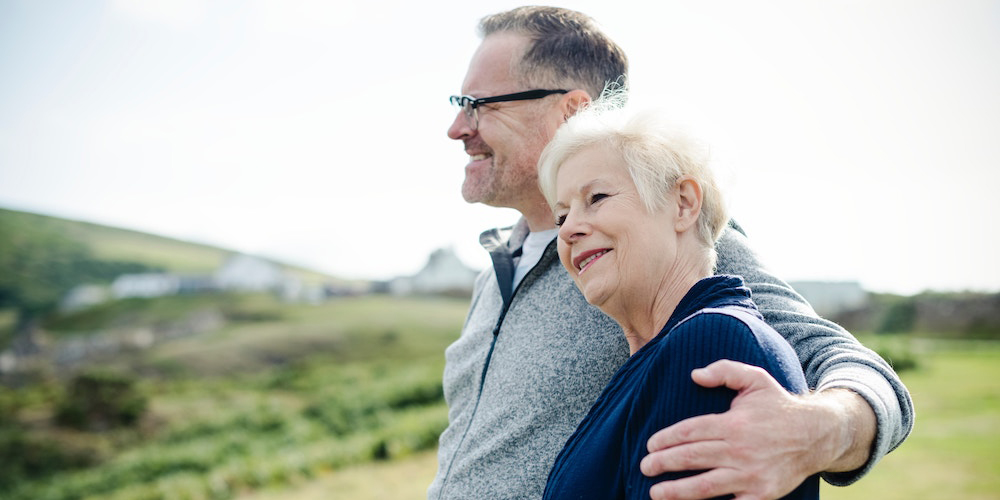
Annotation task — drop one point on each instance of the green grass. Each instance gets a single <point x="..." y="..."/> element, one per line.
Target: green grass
<point x="112" y="243"/>
<point x="126" y="245"/>
<point x="953" y="452"/>
<point x="177" y="255"/>
<point x="342" y="400"/>
<point x="172" y="254"/>
<point x="266" y="402"/>
<point x="405" y="479"/>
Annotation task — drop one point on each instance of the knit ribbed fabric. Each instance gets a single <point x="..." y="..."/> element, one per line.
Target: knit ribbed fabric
<point x="653" y="389"/>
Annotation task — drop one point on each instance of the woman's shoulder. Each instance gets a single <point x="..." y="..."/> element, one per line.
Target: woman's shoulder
<point x="732" y="319"/>
<point x="736" y="334"/>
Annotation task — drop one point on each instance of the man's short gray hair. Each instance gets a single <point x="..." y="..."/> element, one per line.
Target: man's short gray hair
<point x="567" y="48"/>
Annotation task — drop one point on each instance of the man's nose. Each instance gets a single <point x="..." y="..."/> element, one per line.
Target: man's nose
<point x="460" y="128"/>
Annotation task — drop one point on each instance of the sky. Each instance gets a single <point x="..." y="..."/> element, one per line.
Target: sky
<point x="855" y="140"/>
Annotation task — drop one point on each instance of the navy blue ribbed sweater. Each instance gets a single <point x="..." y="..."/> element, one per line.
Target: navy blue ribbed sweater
<point x="715" y="320"/>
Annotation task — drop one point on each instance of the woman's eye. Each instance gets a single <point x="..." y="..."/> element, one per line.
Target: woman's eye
<point x="596" y="197"/>
<point x="560" y="220"/>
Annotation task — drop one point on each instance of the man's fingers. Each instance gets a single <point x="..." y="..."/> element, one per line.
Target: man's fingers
<point x="750" y="450"/>
<point x="732" y="374"/>
<point x="692" y="456"/>
<point x="701" y="428"/>
<point x="710" y="484"/>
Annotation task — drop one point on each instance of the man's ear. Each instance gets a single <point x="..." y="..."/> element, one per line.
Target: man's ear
<point x="688" y="201"/>
<point x="573" y="101"/>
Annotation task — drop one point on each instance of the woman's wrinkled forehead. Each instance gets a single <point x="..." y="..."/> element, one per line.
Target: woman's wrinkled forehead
<point x="593" y="167"/>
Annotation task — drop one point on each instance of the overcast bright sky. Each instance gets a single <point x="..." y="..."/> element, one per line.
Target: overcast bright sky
<point x="857" y="140"/>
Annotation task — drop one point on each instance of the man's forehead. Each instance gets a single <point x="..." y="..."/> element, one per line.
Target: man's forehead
<point x="491" y="70"/>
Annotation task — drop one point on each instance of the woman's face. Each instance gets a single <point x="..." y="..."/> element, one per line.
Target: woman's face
<point x="615" y="249"/>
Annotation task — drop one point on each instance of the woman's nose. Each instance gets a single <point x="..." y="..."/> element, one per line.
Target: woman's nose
<point x="573" y="228"/>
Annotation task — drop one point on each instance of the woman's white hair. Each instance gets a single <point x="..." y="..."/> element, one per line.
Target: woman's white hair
<point x="656" y="154"/>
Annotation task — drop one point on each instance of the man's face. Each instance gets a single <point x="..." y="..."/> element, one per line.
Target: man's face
<point x="504" y="150"/>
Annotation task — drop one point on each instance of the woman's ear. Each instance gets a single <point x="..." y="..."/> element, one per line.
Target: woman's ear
<point x="688" y="198"/>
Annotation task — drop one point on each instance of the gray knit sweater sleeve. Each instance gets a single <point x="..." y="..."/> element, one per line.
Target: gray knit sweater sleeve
<point x="831" y="357"/>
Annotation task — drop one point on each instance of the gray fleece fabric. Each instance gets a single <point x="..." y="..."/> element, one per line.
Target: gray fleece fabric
<point x="515" y="397"/>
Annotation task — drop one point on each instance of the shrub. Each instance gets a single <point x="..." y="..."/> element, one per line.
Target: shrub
<point x="900" y="359"/>
<point x="100" y="400"/>
<point x="899" y="317"/>
<point x="32" y="456"/>
<point x="898" y="351"/>
<point x="9" y="406"/>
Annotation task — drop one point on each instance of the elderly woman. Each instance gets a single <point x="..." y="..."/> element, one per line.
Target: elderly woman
<point x="638" y="214"/>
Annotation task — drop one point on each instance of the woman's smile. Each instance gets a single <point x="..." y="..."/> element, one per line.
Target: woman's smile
<point x="584" y="260"/>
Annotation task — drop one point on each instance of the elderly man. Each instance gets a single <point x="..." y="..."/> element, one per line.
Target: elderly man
<point x="534" y="356"/>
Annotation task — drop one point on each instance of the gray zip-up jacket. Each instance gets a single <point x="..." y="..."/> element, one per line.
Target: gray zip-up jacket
<point x="527" y="369"/>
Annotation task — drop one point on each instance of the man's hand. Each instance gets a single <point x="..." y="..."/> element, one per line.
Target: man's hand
<point x="766" y="444"/>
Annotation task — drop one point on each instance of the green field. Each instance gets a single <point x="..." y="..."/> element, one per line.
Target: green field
<point x="279" y="395"/>
<point x="278" y="401"/>
<point x="111" y="243"/>
<point x="343" y="400"/>
<point x="953" y="452"/>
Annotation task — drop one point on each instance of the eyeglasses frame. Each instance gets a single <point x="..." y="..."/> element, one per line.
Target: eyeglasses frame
<point x="469" y="104"/>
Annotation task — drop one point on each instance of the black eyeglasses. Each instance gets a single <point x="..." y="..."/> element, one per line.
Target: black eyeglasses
<point x="470" y="104"/>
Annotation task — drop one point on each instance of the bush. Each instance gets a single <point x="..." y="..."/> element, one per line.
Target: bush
<point x="898" y="351"/>
<point x="899" y="317"/>
<point x="31" y="456"/>
<point x="900" y="359"/>
<point x="100" y="400"/>
<point x="9" y="406"/>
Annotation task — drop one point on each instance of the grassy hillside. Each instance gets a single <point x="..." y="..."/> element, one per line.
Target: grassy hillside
<point x="250" y="398"/>
<point x="117" y="244"/>
<point x="952" y="452"/>
<point x="110" y="243"/>
<point x="342" y="400"/>
<point x="276" y="395"/>
<point x="198" y="396"/>
<point x="43" y="257"/>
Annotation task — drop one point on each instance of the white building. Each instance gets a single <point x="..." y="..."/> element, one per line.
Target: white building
<point x="249" y="274"/>
<point x="84" y="296"/>
<point x="831" y="297"/>
<point x="444" y="273"/>
<point x="145" y="285"/>
<point x="238" y="273"/>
